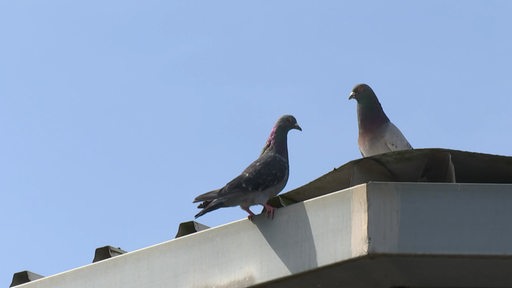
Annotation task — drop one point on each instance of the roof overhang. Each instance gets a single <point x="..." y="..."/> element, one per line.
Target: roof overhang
<point x="371" y="235"/>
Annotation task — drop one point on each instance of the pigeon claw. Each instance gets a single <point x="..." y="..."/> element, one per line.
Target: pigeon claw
<point x="269" y="211"/>
<point x="251" y="215"/>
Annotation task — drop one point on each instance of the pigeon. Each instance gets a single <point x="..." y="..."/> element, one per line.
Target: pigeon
<point x="376" y="133"/>
<point x="262" y="179"/>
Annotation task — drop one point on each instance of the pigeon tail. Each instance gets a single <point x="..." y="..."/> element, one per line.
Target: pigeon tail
<point x="209" y="208"/>
<point x="204" y="204"/>
<point x="208" y="196"/>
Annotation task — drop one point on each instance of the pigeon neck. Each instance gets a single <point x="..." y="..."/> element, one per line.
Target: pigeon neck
<point x="277" y="143"/>
<point x="370" y="116"/>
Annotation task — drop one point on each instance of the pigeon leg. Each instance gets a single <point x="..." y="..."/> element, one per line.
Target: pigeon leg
<point x="269" y="211"/>
<point x="251" y="215"/>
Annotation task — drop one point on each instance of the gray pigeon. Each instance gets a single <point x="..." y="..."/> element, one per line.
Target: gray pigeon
<point x="376" y="133"/>
<point x="261" y="180"/>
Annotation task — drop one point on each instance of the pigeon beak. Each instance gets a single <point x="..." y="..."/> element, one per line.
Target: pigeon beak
<point x="352" y="96"/>
<point x="296" y="126"/>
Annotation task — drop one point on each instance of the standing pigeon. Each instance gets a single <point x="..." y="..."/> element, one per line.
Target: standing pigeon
<point x="376" y="133"/>
<point x="263" y="179"/>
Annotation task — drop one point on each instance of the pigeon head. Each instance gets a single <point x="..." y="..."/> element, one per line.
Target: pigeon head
<point x="277" y="139"/>
<point x="369" y="111"/>
<point x="287" y="123"/>
<point x="363" y="94"/>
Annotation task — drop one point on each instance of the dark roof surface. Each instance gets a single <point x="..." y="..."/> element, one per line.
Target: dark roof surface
<point x="418" y="165"/>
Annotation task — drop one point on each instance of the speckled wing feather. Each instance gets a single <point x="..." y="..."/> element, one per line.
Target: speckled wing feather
<point x="394" y="139"/>
<point x="267" y="171"/>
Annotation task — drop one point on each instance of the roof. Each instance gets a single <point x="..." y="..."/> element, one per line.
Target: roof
<point x="335" y="231"/>
<point x="379" y="234"/>
<point x="418" y="165"/>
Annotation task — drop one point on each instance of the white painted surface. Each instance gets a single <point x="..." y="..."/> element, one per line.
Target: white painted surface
<point x="301" y="237"/>
<point x="357" y="224"/>
<point x="457" y="219"/>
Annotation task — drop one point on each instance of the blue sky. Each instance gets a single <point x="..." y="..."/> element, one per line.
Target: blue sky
<point x="115" y="115"/>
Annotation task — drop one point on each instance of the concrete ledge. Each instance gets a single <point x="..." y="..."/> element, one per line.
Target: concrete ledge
<point x="455" y="219"/>
<point x="371" y="235"/>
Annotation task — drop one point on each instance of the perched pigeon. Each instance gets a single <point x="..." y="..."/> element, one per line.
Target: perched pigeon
<point x="263" y="179"/>
<point x="376" y="133"/>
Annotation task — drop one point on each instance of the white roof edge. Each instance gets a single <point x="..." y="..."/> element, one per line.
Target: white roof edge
<point x="369" y="219"/>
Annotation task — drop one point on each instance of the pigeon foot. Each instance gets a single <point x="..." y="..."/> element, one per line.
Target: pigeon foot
<point x="269" y="211"/>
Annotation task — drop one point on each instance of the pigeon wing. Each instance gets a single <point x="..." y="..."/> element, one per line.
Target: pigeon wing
<point x="265" y="173"/>
<point x="394" y="139"/>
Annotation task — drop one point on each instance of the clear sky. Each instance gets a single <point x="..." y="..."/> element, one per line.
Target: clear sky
<point x="114" y="115"/>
